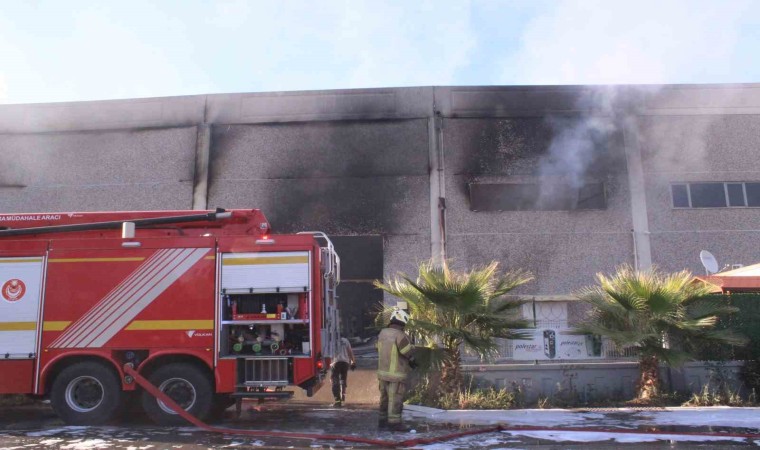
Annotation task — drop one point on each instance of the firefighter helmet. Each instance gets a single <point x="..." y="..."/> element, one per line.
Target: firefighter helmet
<point x="400" y="315"/>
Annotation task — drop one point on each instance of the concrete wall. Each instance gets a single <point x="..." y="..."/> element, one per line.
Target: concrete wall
<point x="93" y="171"/>
<point x="700" y="148"/>
<point x="589" y="382"/>
<point x="571" y="384"/>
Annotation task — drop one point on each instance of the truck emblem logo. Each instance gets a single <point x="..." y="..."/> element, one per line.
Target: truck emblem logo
<point x="13" y="290"/>
<point x="190" y="333"/>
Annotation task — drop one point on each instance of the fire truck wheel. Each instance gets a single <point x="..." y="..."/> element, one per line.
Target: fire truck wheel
<point x="86" y="393"/>
<point x="187" y="385"/>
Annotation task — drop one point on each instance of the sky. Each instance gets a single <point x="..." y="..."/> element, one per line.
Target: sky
<point x="74" y="50"/>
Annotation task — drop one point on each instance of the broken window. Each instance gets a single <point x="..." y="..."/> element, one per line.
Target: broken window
<point x="536" y="197"/>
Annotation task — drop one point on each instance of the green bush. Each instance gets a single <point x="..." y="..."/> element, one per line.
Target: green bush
<point x="744" y="323"/>
<point x="426" y="393"/>
<point x="716" y="397"/>
<point x="750" y="375"/>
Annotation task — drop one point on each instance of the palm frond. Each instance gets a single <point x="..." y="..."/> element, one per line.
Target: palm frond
<point x="642" y="308"/>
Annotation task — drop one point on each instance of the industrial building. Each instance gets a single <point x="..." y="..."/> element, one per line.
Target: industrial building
<point x="563" y="181"/>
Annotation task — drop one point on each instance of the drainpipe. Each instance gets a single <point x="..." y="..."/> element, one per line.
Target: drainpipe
<point x="437" y="192"/>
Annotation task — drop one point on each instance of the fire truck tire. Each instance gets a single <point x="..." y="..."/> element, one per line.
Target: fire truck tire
<point x="187" y="385"/>
<point x="87" y="393"/>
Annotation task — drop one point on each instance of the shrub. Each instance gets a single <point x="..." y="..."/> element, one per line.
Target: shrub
<point x="426" y="393"/>
<point x="716" y="397"/>
<point x="750" y="375"/>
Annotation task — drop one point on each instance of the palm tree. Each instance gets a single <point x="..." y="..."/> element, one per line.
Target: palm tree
<point x="453" y="310"/>
<point x="666" y="317"/>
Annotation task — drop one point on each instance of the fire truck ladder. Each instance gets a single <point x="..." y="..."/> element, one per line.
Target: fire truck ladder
<point x="117" y="224"/>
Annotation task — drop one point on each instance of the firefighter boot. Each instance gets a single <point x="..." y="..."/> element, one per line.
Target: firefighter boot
<point x="338" y="402"/>
<point x="382" y="424"/>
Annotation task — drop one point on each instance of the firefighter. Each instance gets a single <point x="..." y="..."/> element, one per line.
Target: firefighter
<point x="395" y="360"/>
<point x="339" y="375"/>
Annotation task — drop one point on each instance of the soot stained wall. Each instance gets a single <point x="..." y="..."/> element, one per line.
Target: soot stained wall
<point x="97" y="171"/>
<point x="563" y="249"/>
<point x="339" y="177"/>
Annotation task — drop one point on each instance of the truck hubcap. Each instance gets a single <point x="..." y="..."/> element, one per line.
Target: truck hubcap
<point x="84" y="394"/>
<point x="179" y="390"/>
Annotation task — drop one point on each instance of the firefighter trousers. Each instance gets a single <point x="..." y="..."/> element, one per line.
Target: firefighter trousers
<point x="339" y="378"/>
<point x="391" y="401"/>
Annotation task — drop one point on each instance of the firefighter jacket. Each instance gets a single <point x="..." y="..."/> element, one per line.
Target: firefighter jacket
<point x="393" y="352"/>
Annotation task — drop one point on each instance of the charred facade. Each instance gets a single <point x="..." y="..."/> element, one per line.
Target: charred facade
<point x="562" y="181"/>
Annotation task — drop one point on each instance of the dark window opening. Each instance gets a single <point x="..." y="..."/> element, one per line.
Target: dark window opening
<point x="680" y="195"/>
<point x="358" y="299"/>
<point x="707" y="195"/>
<point x="753" y="194"/>
<point x="735" y="194"/>
<point x="536" y="197"/>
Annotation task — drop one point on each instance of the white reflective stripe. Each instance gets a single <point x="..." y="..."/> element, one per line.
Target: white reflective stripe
<point x="190" y="258"/>
<point x="122" y="304"/>
<point x="93" y="318"/>
<point x="131" y="297"/>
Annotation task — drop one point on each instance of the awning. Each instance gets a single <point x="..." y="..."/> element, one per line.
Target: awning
<point x="743" y="279"/>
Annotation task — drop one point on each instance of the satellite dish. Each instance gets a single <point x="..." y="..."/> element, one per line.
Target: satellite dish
<point x="708" y="261"/>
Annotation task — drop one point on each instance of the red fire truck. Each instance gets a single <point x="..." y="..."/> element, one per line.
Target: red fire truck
<point x="208" y="305"/>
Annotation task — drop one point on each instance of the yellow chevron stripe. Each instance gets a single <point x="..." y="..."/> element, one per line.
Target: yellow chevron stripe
<point x="25" y="260"/>
<point x="171" y="325"/>
<point x="266" y="260"/>
<point x="73" y="260"/>
<point x="18" y="326"/>
<point x="55" y="325"/>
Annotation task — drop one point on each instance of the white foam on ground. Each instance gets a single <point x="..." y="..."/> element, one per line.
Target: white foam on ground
<point x="69" y="430"/>
<point x="85" y="444"/>
<point x="693" y="417"/>
<point x="568" y="436"/>
<point x="594" y="436"/>
<point x="714" y="416"/>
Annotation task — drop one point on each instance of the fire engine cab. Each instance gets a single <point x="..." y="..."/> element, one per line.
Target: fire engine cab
<point x="207" y="305"/>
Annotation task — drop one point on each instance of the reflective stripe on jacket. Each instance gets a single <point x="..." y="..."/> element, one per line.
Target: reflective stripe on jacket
<point x="393" y="350"/>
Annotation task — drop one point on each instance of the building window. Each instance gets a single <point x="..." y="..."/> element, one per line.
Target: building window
<point x="536" y="197"/>
<point x="715" y="195"/>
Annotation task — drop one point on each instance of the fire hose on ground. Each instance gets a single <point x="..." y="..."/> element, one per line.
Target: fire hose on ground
<point x="154" y="391"/>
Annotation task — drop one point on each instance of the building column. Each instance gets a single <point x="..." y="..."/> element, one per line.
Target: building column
<point x="641" y="243"/>
<point x="200" y="178"/>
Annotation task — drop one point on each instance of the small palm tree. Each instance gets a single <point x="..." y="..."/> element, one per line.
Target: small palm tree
<point x="666" y="317"/>
<point x="452" y="311"/>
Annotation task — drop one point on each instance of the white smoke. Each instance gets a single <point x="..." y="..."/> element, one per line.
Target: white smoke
<point x="646" y="41"/>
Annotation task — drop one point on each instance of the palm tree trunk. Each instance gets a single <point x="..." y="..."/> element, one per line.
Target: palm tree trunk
<point x="649" y="383"/>
<point x="451" y="373"/>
